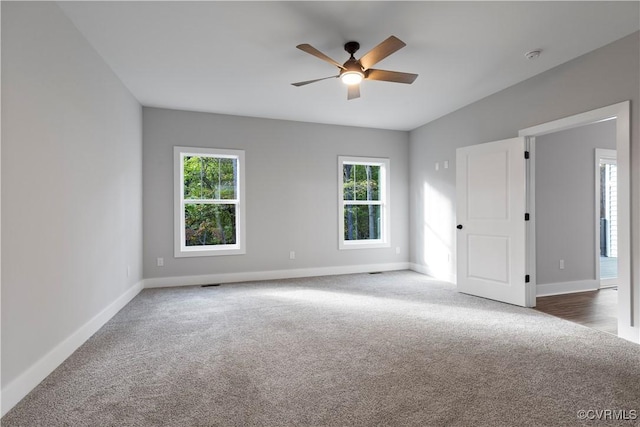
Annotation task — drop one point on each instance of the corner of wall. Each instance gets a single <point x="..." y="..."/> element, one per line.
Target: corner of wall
<point x="17" y="389"/>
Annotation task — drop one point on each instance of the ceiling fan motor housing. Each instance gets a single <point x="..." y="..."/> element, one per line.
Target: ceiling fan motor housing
<point x="352" y="65"/>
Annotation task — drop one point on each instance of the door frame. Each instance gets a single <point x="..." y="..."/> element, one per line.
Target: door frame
<point x="628" y="310"/>
<point x="611" y="156"/>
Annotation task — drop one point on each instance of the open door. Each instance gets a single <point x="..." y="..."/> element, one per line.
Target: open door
<point x="491" y="237"/>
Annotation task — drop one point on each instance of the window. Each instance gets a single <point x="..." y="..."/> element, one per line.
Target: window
<point x="363" y="208"/>
<point x="209" y="202"/>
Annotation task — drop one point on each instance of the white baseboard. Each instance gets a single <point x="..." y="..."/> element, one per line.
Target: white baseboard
<point x="17" y="389"/>
<point x="205" y="279"/>
<point x="629" y="333"/>
<point x="419" y="268"/>
<point x="425" y="269"/>
<point x="609" y="283"/>
<point x="548" y="289"/>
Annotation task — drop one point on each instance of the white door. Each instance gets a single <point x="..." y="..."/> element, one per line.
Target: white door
<point x="491" y="235"/>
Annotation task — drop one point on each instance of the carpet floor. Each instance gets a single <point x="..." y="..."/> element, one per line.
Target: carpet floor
<point x="392" y="349"/>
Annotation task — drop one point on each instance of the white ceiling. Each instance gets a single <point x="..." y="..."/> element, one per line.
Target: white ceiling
<point x="240" y="57"/>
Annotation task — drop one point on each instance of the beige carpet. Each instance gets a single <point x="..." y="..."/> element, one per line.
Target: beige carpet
<point x="389" y="349"/>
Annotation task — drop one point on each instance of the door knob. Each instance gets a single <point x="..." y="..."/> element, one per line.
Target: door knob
<point x="459" y="226"/>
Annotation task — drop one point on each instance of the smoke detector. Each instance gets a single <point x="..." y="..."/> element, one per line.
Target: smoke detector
<point x="533" y="54"/>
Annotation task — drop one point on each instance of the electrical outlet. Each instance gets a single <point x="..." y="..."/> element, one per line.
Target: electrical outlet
<point x="437" y="166"/>
<point x="446" y="164"/>
<point x="160" y="262"/>
<point x="397" y="250"/>
<point x="292" y="255"/>
<point x="561" y="264"/>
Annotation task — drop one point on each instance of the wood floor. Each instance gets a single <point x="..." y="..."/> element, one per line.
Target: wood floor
<point x="596" y="309"/>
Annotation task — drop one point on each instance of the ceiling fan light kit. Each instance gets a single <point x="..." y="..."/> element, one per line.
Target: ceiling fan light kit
<point x="351" y="77"/>
<point x="353" y="71"/>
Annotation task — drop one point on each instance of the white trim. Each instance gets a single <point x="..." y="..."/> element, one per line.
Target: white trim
<point x="17" y="389"/>
<point x="250" y="276"/>
<point x="628" y="308"/>
<point x="238" y="248"/>
<point x="577" y="120"/>
<point x="0" y="217"/>
<point x="426" y="270"/>
<point x="547" y="289"/>
<point x="530" y="243"/>
<point x="384" y="203"/>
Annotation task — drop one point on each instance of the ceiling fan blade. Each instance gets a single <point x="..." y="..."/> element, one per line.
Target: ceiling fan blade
<point x="315" y="52"/>
<point x="353" y="91"/>
<point x="313" y="81"/>
<point x="378" y="53"/>
<point x="390" y="76"/>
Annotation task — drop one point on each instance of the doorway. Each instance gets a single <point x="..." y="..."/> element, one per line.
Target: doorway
<point x="627" y="306"/>
<point x="606" y="196"/>
<point x="567" y="208"/>
<point x="576" y="233"/>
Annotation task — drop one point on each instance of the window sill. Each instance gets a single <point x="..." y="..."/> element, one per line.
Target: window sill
<point x="188" y="253"/>
<point x="363" y="244"/>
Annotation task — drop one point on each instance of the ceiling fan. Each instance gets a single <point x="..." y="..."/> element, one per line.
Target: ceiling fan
<point x="355" y="70"/>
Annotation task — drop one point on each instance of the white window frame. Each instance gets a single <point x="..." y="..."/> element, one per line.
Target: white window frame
<point x="180" y="248"/>
<point x="385" y="185"/>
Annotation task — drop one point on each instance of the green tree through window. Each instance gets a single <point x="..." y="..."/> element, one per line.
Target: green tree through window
<point x="363" y="201"/>
<point x="209" y="200"/>
<point x="208" y="182"/>
<point x="361" y="183"/>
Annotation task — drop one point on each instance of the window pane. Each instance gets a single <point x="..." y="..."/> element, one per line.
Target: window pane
<point x="361" y="182"/>
<point x="348" y="181"/>
<point x="226" y="185"/>
<point x="210" y="225"/>
<point x="209" y="177"/>
<point x="361" y="222"/>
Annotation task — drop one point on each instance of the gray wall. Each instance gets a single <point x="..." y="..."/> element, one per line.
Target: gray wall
<point x="291" y="184"/>
<point x="71" y="184"/>
<point x="603" y="77"/>
<point x="565" y="201"/>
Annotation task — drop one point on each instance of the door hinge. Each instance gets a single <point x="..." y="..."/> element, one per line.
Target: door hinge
<point x="526" y="155"/>
<point x="526" y="217"/>
<point x="526" y="279"/>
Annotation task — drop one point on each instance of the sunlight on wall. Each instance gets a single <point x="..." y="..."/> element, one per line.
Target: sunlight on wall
<point x="438" y="250"/>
